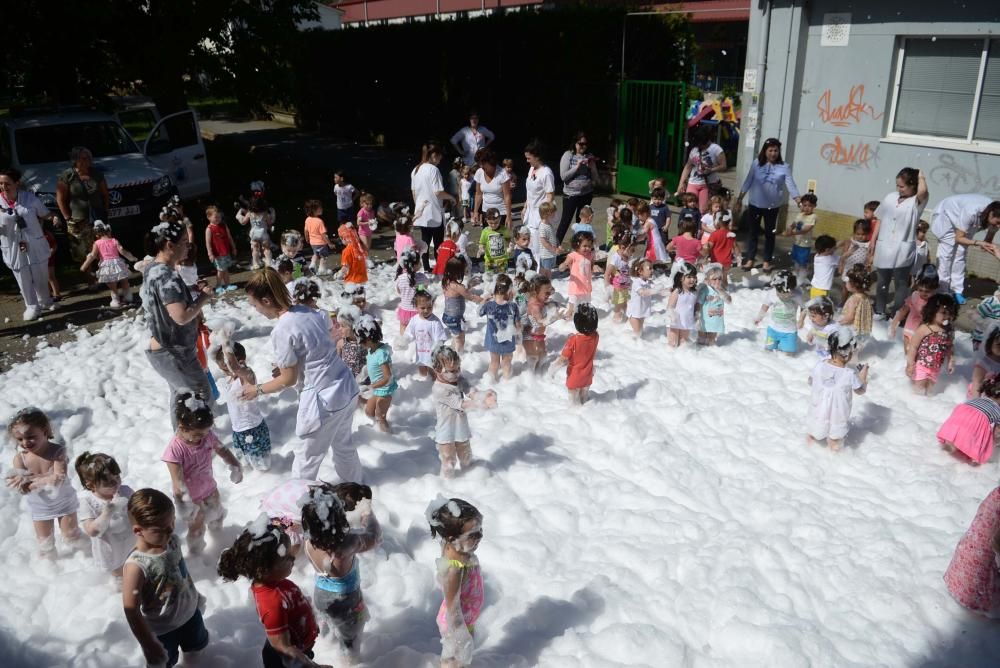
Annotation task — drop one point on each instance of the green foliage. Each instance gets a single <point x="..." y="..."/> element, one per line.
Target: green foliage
<point x="695" y="93"/>
<point x="731" y="91"/>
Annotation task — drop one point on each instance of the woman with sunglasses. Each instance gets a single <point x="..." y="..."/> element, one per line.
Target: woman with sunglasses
<point x="577" y="169"/>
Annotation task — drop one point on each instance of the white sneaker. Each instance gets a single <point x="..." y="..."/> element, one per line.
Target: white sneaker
<point x="115" y="303"/>
<point x="51" y="306"/>
<point x="878" y="317"/>
<point x="30" y="313"/>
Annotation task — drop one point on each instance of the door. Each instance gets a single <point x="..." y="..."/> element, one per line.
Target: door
<point x="175" y="146"/>
<point x="652" y="119"/>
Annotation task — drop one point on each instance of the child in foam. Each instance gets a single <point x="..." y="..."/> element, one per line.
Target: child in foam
<point x="408" y="281"/>
<point x="161" y="603"/>
<point x="291" y="249"/>
<point x="686" y="244"/>
<point x="824" y="266"/>
<point x="783" y="302"/>
<point x="833" y="383"/>
<point x="617" y="280"/>
<point x="39" y="472"/>
<point x="578" y="354"/>
<point x="251" y="436"/>
<point x="537" y="319"/>
<point x="459" y="526"/>
<point x="449" y="247"/>
<point x="821" y="324"/>
<point x="973" y="576"/>
<point x="802" y="230"/>
<point x="103" y="512"/>
<point x="333" y="547"/>
<point x="655" y="250"/>
<point x="986" y="317"/>
<point x="857" y="312"/>
<point x="973" y="427"/>
<point x="910" y="312"/>
<point x="932" y="344"/>
<point x="380" y="372"/>
<point x="367" y="221"/>
<point x="188" y="457"/>
<point x="455" y="295"/>
<point x="682" y="304"/>
<point x="640" y="303"/>
<point x="854" y="250"/>
<point x="260" y="218"/>
<point x="493" y="242"/>
<point x="502" y="320"/>
<point x="452" y="399"/>
<point x="426" y="330"/>
<point x="263" y="554"/>
<point x="581" y="268"/>
<point x="317" y="237"/>
<point x="112" y="271"/>
<point x="987" y="364"/>
<point x="711" y="305"/>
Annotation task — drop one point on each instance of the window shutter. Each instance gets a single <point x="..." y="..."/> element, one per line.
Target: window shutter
<point x="938" y="86"/>
<point x="988" y="119"/>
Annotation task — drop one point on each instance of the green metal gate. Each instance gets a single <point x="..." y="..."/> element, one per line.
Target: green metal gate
<point x="652" y="119"/>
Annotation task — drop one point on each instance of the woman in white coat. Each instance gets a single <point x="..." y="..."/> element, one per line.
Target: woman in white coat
<point x="893" y="248"/>
<point x="307" y="358"/>
<point x="540" y="186"/>
<point x="428" y="196"/>
<point x="22" y="243"/>
<point x="956" y="219"/>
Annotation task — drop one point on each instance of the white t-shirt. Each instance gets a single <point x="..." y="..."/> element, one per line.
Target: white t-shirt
<point x="493" y="190"/>
<point x="425" y="182"/>
<point x="427" y="333"/>
<point x="702" y="160"/>
<point x="111" y="548"/>
<point x="832" y="392"/>
<point x="821" y="337"/>
<point x="897" y="231"/>
<point x="539" y="183"/>
<point x="345" y="196"/>
<point x="958" y="212"/>
<point x="784" y="312"/>
<point x="452" y="420"/>
<point x="824" y="267"/>
<point x="244" y="415"/>
<point x="470" y="141"/>
<point x="301" y="339"/>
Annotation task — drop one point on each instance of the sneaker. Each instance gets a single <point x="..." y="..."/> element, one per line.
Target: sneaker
<point x="219" y="290"/>
<point x="878" y="317"/>
<point x="230" y="287"/>
<point x="959" y="298"/>
<point x="51" y="306"/>
<point x="115" y="303"/>
<point x="30" y="313"/>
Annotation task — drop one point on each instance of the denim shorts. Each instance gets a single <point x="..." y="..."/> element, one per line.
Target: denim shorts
<point x="322" y="250"/>
<point x="547" y="263"/>
<point x="192" y="636"/>
<point x="223" y="262"/>
<point x="454" y="323"/>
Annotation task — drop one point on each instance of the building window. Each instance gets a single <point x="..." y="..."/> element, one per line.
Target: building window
<point x="949" y="89"/>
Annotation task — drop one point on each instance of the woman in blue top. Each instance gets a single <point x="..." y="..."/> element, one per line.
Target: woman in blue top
<point x="769" y="183"/>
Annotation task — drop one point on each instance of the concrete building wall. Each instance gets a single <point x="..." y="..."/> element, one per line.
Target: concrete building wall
<point x="830" y="105"/>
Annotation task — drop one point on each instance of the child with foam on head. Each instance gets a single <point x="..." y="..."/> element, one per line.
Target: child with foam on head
<point x="263" y="554"/>
<point x="802" y="231"/>
<point x="162" y="605"/>
<point x="221" y="248"/>
<point x="459" y="527"/>
<point x="617" y="277"/>
<point x="711" y="305"/>
<point x="103" y="514"/>
<point x="932" y="344"/>
<point x="426" y="331"/>
<point x="974" y="427"/>
<point x="987" y="363"/>
<point x="188" y="457"/>
<point x="452" y="399"/>
<point x="821" y="325"/>
<point x="581" y="267"/>
<point x="682" y="303"/>
<point x="251" y="436"/>
<point x="522" y="258"/>
<point x="824" y="266"/>
<point x="408" y="281"/>
<point x="449" y="247"/>
<point x="455" y="296"/>
<point x="973" y="576"/>
<point x="317" y="237"/>
<point x="987" y="316"/>
<point x="910" y="312"/>
<point x="833" y="384"/>
<point x="783" y="302"/>
<point x="379" y="364"/>
<point x="112" y="270"/>
<point x="260" y="217"/>
<point x="493" y="243"/>
<point x="291" y="249"/>
<point x="502" y="320"/>
<point x="640" y="302"/>
<point x="578" y="354"/>
<point x="333" y="546"/>
<point x="348" y="347"/>
<point x="39" y="472"/>
<point x="857" y="312"/>
<point x="537" y="319"/>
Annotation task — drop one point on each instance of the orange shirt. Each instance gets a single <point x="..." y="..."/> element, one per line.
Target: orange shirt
<point x="580" y="350"/>
<point x="315" y="231"/>
<point x="355" y="260"/>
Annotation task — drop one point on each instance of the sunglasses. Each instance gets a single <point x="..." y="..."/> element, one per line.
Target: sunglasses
<point x="581" y="143"/>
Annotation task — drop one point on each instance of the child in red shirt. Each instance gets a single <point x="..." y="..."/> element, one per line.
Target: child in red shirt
<point x="686" y="245"/>
<point x="721" y="246"/>
<point x="448" y="248"/>
<point x="578" y="354"/>
<point x="221" y="248"/>
<point x="263" y="554"/>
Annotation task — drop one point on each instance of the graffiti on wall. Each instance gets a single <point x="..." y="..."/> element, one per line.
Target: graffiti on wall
<point x="852" y="153"/>
<point x="961" y="178"/>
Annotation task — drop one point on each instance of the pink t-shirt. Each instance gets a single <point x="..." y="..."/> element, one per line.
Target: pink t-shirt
<point x="196" y="464"/>
<point x="365" y="216"/>
<point x="108" y="248"/>
<point x="403" y="241"/>
<point x="687" y="249"/>
<point x="580" y="269"/>
<point x="914" y="317"/>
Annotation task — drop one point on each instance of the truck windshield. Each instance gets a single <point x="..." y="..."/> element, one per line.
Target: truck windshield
<point x="52" y="143"/>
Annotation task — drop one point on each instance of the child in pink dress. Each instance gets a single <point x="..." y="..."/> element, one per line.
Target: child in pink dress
<point x="581" y="266"/>
<point x="367" y="222"/>
<point x="972" y="427"/>
<point x="932" y="344"/>
<point x="971" y="577"/>
<point x="112" y="270"/>
<point x="910" y="312"/>
<point x="459" y="525"/>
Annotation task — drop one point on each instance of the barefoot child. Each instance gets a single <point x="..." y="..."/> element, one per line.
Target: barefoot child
<point x="103" y="513"/>
<point x="408" y="280"/>
<point x="251" y="436"/>
<point x="640" y="303"/>
<point x="711" y="305"/>
<point x="910" y="312"/>
<point x="932" y="344"/>
<point x="578" y="354"/>
<point x="426" y="330"/>
<point x="617" y="280"/>
<point x="857" y="312"/>
<point x="537" y="317"/>
<point x="784" y="302"/>
<point x="455" y="295"/>
<point x="682" y="303"/>
<point x="379" y="364"/>
<point x="581" y="266"/>
<point x="452" y="433"/>
<point x="39" y="472"/>
<point x="833" y="383"/>
<point x="973" y="427"/>
<point x="502" y="321"/>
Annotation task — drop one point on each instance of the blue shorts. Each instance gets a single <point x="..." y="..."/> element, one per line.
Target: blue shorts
<point x="547" y="263"/>
<point x="191" y="637"/>
<point x="222" y="262"/>
<point x="786" y="342"/>
<point x="344" y="215"/>
<point x="322" y="250"/>
<point x="454" y="323"/>
<point x="800" y="255"/>
<point x="254" y="442"/>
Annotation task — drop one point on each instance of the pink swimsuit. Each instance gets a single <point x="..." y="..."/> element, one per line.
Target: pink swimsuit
<point x="471" y="595"/>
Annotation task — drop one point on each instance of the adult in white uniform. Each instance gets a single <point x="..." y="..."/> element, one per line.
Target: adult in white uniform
<point x="470" y="139"/>
<point x="956" y="219"/>
<point x="307" y="358"/>
<point x="893" y="248"/>
<point x="428" y="195"/>
<point x="540" y="186"/>
<point x="22" y="243"/>
<point x="492" y="188"/>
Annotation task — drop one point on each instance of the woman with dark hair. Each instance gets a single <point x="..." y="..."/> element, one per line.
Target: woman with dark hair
<point x="428" y="194"/>
<point x="22" y="242"/>
<point x="701" y="171"/>
<point x="493" y="189"/>
<point x="540" y="186"/>
<point x="955" y="220"/>
<point x="893" y="248"/>
<point x="577" y="169"/>
<point x="770" y="184"/>
<point x="307" y="359"/>
<point x="172" y="313"/>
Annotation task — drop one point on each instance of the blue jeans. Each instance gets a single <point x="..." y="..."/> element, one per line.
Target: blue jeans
<point x="192" y="636"/>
